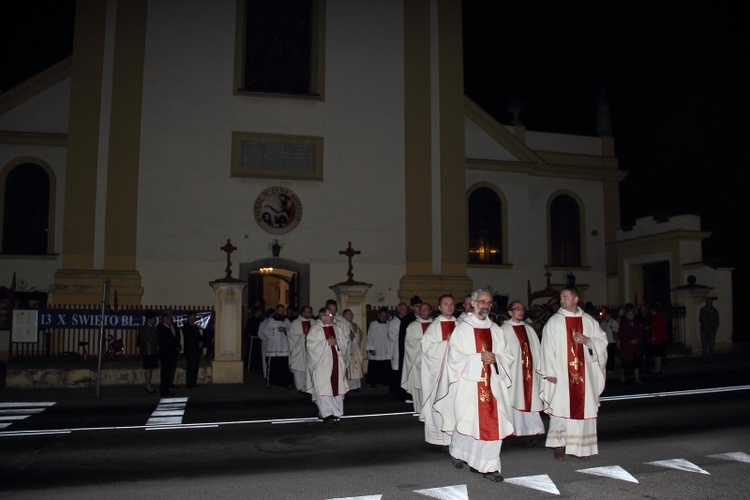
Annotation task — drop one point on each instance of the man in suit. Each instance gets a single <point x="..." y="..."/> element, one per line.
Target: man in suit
<point x="169" y="348"/>
<point x="192" y="340"/>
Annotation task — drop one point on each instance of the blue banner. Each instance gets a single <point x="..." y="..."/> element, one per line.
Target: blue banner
<point x="88" y="318"/>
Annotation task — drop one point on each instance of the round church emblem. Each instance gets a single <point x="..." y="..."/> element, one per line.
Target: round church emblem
<point x="277" y="210"/>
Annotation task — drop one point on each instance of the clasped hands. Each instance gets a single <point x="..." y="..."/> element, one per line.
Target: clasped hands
<point x="488" y="357"/>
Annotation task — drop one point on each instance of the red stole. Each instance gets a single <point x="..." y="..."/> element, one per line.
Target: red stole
<point x="489" y="425"/>
<point x="576" y="368"/>
<point x="446" y="328"/>
<point x="330" y="334"/>
<point x="527" y="365"/>
<point x="424" y="326"/>
<point x="305" y="326"/>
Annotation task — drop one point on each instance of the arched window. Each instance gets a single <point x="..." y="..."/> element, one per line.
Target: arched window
<point x="565" y="232"/>
<point x="26" y="210"/>
<point x="485" y="227"/>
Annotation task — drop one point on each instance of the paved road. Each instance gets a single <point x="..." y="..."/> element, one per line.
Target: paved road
<point x="247" y="441"/>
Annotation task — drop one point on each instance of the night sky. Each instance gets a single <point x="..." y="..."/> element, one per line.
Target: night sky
<point x="676" y="76"/>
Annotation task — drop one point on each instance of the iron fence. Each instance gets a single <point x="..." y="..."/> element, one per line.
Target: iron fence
<point x="63" y="333"/>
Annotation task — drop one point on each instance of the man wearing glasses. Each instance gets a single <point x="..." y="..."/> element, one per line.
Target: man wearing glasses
<point x="574" y="367"/>
<point x="524" y="393"/>
<point x="472" y="395"/>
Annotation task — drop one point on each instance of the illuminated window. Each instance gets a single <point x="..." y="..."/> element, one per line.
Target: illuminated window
<point x="485" y="227"/>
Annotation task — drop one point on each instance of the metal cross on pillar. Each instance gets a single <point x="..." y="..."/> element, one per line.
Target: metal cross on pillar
<point x="228" y="248"/>
<point x="350" y="252"/>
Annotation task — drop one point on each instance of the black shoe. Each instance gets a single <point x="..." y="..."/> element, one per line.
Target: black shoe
<point x="191" y="386"/>
<point x="458" y="464"/>
<point x="167" y="394"/>
<point x="495" y="477"/>
<point x="151" y="391"/>
<point x="328" y="420"/>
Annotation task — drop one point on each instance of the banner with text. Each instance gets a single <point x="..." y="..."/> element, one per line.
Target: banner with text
<point x="55" y="318"/>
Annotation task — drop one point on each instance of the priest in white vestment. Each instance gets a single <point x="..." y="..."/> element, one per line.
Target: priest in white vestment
<point x="274" y="335"/>
<point x="573" y="364"/>
<point x="297" y="350"/>
<point x="327" y="345"/>
<point x="524" y="393"/>
<point x="472" y="395"/>
<point x="411" y="380"/>
<point x="434" y="349"/>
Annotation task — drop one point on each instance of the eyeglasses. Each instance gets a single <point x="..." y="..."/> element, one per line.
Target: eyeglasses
<point x="485" y="302"/>
<point x="518" y="309"/>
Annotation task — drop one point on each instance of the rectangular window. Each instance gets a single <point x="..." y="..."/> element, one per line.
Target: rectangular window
<point x="277" y="156"/>
<point x="279" y="47"/>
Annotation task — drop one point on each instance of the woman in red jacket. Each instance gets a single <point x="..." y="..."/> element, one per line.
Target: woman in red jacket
<point x="657" y="339"/>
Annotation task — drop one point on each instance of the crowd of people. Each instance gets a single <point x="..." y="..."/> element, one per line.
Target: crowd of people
<point x="160" y="342"/>
<point x="474" y="375"/>
<point x="474" y="379"/>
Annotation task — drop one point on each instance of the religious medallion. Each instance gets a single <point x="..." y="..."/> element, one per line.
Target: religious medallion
<point x="277" y="210"/>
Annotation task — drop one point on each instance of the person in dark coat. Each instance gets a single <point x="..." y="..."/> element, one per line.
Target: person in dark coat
<point x="192" y="344"/>
<point x="631" y="333"/>
<point x="169" y="347"/>
<point x="148" y="343"/>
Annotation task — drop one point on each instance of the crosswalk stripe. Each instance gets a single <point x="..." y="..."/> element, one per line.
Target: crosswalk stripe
<point x="11" y="404"/>
<point x="21" y="411"/>
<point x="11" y="412"/>
<point x="169" y="412"/>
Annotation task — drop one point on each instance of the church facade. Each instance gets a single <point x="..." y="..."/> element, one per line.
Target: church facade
<point x="178" y="126"/>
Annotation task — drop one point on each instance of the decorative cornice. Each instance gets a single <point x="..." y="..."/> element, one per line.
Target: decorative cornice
<point x="34" y="138"/>
<point x="35" y="85"/>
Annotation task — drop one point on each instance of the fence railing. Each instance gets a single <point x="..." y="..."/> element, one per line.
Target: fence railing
<point x="73" y="332"/>
<point x="74" y="340"/>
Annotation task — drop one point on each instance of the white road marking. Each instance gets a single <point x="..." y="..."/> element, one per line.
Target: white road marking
<point x="11" y="404"/>
<point x="679" y="464"/>
<point x="738" y="456"/>
<point x="542" y="482"/>
<point x="11" y="412"/>
<point x="366" y="497"/>
<point x="168" y="402"/>
<point x="21" y="411"/>
<point x="613" y="471"/>
<point x="170" y="411"/>
<point x="455" y="492"/>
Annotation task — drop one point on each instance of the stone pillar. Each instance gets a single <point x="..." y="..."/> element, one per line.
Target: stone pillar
<point x="227" y="364"/>
<point x="351" y="295"/>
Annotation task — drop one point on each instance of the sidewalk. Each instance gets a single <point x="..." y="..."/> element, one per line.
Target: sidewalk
<point x="724" y="366"/>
